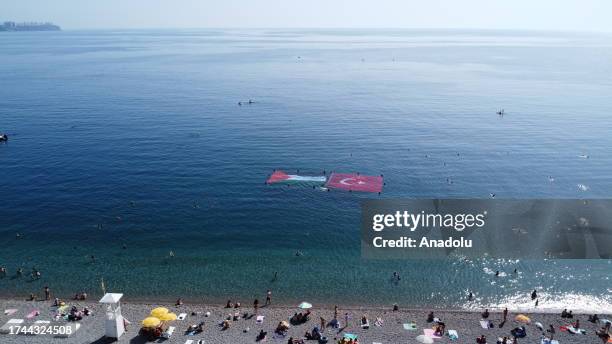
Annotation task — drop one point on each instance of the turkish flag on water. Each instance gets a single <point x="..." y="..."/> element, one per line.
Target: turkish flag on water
<point x="355" y="182"/>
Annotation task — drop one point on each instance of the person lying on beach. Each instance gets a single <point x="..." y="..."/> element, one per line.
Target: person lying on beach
<point x="261" y="336"/>
<point x="439" y="329"/>
<point x="314" y="335"/>
<point x="299" y="318"/>
<point x="603" y="335"/>
<point x="225" y="325"/>
<point x="282" y="328"/>
<point x="519" y="332"/>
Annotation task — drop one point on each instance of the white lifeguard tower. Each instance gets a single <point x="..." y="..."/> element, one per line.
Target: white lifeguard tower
<point x="114" y="320"/>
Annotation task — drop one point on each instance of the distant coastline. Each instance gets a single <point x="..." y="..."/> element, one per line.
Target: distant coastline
<point x="29" y="26"/>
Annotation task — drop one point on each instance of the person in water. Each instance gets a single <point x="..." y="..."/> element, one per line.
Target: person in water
<point x="534" y="294"/>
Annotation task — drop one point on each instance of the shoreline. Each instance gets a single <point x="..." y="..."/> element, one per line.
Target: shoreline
<point x="286" y="305"/>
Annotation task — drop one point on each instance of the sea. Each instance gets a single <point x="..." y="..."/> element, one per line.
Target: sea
<point x="131" y="166"/>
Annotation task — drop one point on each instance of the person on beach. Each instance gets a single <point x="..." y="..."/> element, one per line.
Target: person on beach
<point x="179" y="302"/>
<point x="336" y="312"/>
<point x="261" y="336"/>
<point x="534" y="295"/>
<point x="430" y="317"/>
<point x="395" y="307"/>
<point x="229" y="304"/>
<point x="481" y="340"/>
<point x="256" y="305"/>
<point x="346" y="319"/>
<point x="268" y="297"/>
<point x="322" y="324"/>
<point x="485" y="314"/>
<point x="47" y="293"/>
<point x="237" y="304"/>
<point x="505" y="314"/>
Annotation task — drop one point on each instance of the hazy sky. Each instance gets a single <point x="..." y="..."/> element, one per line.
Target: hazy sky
<point x="581" y="15"/>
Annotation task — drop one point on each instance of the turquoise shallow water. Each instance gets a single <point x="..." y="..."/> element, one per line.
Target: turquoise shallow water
<point x="140" y="132"/>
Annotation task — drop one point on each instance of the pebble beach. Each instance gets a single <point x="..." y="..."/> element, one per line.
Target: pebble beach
<point x="467" y="324"/>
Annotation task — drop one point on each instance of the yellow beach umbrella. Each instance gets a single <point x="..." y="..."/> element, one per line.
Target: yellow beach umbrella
<point x="151" y="322"/>
<point x="522" y="318"/>
<point x="159" y="311"/>
<point x="168" y="317"/>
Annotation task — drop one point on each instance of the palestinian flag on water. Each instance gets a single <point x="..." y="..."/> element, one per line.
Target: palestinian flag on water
<point x="282" y="177"/>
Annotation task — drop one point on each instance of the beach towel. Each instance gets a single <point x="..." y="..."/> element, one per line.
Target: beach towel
<point x="410" y="326"/>
<point x="453" y="335"/>
<point x="379" y="322"/>
<point x="33" y="314"/>
<point x="189" y="341"/>
<point x="169" y="332"/>
<point x="6" y="328"/>
<point x="549" y="341"/>
<point x="10" y="311"/>
<point x="430" y="333"/>
<point x="182" y="316"/>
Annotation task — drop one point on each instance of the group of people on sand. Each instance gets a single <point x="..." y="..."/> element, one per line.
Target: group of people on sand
<point x="300" y="318"/>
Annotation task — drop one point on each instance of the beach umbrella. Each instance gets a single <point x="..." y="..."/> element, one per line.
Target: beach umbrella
<point x="522" y="318"/>
<point x="167" y="317"/>
<point x="151" y="322"/>
<point x="424" y="339"/>
<point x="305" y="305"/>
<point x="159" y="311"/>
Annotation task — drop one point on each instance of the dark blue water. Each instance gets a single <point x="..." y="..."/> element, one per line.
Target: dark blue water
<point x="134" y="139"/>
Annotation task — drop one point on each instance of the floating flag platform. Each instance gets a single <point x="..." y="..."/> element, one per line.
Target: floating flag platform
<point x="282" y="177"/>
<point x="355" y="182"/>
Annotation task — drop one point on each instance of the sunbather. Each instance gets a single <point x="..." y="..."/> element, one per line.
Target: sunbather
<point x="261" y="336"/>
<point x="225" y="324"/>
